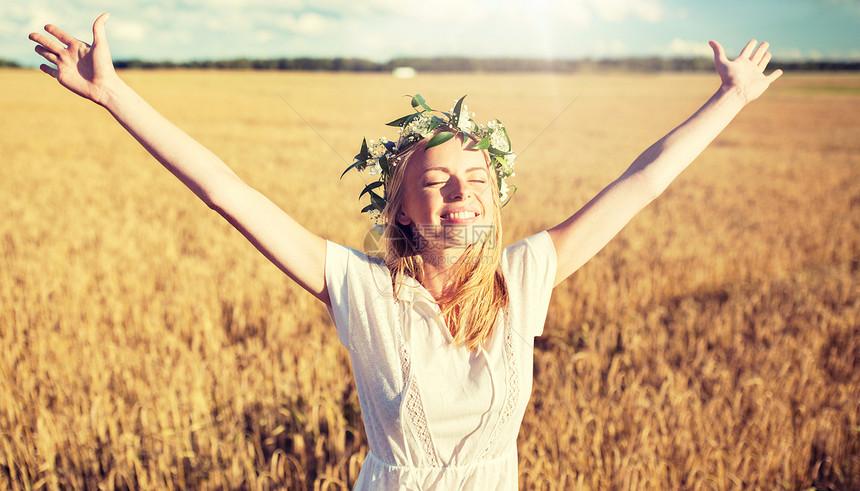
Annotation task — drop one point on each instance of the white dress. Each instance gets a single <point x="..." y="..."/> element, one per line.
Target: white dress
<point x="438" y="417"/>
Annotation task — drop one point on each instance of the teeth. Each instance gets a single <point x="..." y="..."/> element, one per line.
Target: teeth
<point x="460" y="215"/>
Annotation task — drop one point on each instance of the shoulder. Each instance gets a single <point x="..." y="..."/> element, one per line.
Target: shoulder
<point x="340" y="255"/>
<point x="530" y="263"/>
<point x="529" y="268"/>
<point x="537" y="248"/>
<point x="356" y="282"/>
<point x="348" y="267"/>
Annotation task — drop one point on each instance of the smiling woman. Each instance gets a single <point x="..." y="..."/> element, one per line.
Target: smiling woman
<point x="443" y="193"/>
<point x="444" y="230"/>
<point x="440" y="331"/>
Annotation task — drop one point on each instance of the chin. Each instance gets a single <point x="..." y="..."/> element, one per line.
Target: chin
<point x="465" y="235"/>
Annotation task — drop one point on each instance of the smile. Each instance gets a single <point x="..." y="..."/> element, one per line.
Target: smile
<point x="460" y="215"/>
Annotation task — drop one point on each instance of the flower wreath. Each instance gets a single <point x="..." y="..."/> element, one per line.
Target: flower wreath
<point x="378" y="158"/>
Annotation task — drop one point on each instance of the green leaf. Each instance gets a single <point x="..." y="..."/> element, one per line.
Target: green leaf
<point x="496" y="151"/>
<point x="505" y="131"/>
<point x="512" y="190"/>
<point x="369" y="188"/>
<point x="439" y="139"/>
<point x="383" y="163"/>
<point x="434" y="123"/>
<point x="418" y="100"/>
<point x="350" y="168"/>
<point x="363" y="154"/>
<point x="368" y="208"/>
<point x="377" y="200"/>
<point x="481" y="145"/>
<point x="455" y="120"/>
<point x="400" y="122"/>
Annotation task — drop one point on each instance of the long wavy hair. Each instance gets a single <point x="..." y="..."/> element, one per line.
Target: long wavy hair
<point x="471" y="302"/>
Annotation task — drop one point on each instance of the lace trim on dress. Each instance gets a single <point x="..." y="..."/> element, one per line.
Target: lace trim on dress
<point x="512" y="388"/>
<point x="415" y="408"/>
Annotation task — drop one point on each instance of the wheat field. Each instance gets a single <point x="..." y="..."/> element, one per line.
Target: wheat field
<point x="714" y="344"/>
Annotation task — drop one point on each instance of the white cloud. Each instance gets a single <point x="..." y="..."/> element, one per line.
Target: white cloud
<point x="447" y="12"/>
<point x="308" y="23"/>
<point x="127" y="30"/>
<point x="379" y="29"/>
<point x="239" y="4"/>
<point x="23" y="19"/>
<point x="575" y="13"/>
<point x="264" y="36"/>
<point x="620" y="10"/>
<point x="797" y="54"/>
<point x="790" y="54"/>
<point x="612" y="48"/>
<point x="682" y="47"/>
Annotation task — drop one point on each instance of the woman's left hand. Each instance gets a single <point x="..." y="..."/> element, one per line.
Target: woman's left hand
<point x="86" y="70"/>
<point x="746" y="72"/>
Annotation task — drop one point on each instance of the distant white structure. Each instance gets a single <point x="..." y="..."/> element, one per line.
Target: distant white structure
<point x="403" y="72"/>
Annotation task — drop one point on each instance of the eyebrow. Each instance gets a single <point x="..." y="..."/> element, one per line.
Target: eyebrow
<point x="445" y="169"/>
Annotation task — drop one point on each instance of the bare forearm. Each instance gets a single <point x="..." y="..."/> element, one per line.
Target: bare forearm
<point x="661" y="163"/>
<point x="87" y="70"/>
<point x="742" y="80"/>
<point x="195" y="165"/>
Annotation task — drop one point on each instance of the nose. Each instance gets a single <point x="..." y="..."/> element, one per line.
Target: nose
<point x="459" y="190"/>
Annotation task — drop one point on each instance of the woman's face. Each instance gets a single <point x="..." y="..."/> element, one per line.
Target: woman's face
<point x="448" y="197"/>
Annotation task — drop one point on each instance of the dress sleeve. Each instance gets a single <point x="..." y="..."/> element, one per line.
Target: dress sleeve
<point x="355" y="282"/>
<point x="336" y="269"/>
<point x="529" y="267"/>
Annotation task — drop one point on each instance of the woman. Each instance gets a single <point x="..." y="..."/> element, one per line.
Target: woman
<point x="440" y="329"/>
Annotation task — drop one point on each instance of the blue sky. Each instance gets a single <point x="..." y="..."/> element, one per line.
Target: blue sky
<point x="182" y="30"/>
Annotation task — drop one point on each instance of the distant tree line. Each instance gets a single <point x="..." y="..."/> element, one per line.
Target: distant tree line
<point x="465" y="64"/>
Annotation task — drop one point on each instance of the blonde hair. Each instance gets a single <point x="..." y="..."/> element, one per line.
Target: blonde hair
<point x="470" y="305"/>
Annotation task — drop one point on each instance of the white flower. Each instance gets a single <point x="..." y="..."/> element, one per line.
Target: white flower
<point x="505" y="165"/>
<point x="377" y="149"/>
<point x="497" y="136"/>
<point x="464" y="122"/>
<point x="420" y="125"/>
<point x="373" y="167"/>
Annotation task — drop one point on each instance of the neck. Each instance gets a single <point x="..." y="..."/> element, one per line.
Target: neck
<point x="438" y="267"/>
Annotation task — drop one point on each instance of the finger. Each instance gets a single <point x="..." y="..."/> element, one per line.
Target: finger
<point x="765" y="60"/>
<point x="46" y="42"/>
<point x="49" y="70"/>
<point x="60" y="34"/>
<point x="719" y="53"/>
<point x="99" y="28"/>
<point x="760" y="52"/>
<point x="48" y="55"/>
<point x="748" y="49"/>
<point x="775" y="75"/>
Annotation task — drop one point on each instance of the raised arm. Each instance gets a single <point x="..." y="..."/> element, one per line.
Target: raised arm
<point x="87" y="70"/>
<point x="581" y="236"/>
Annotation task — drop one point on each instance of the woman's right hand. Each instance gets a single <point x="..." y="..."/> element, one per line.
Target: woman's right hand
<point x="86" y="70"/>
